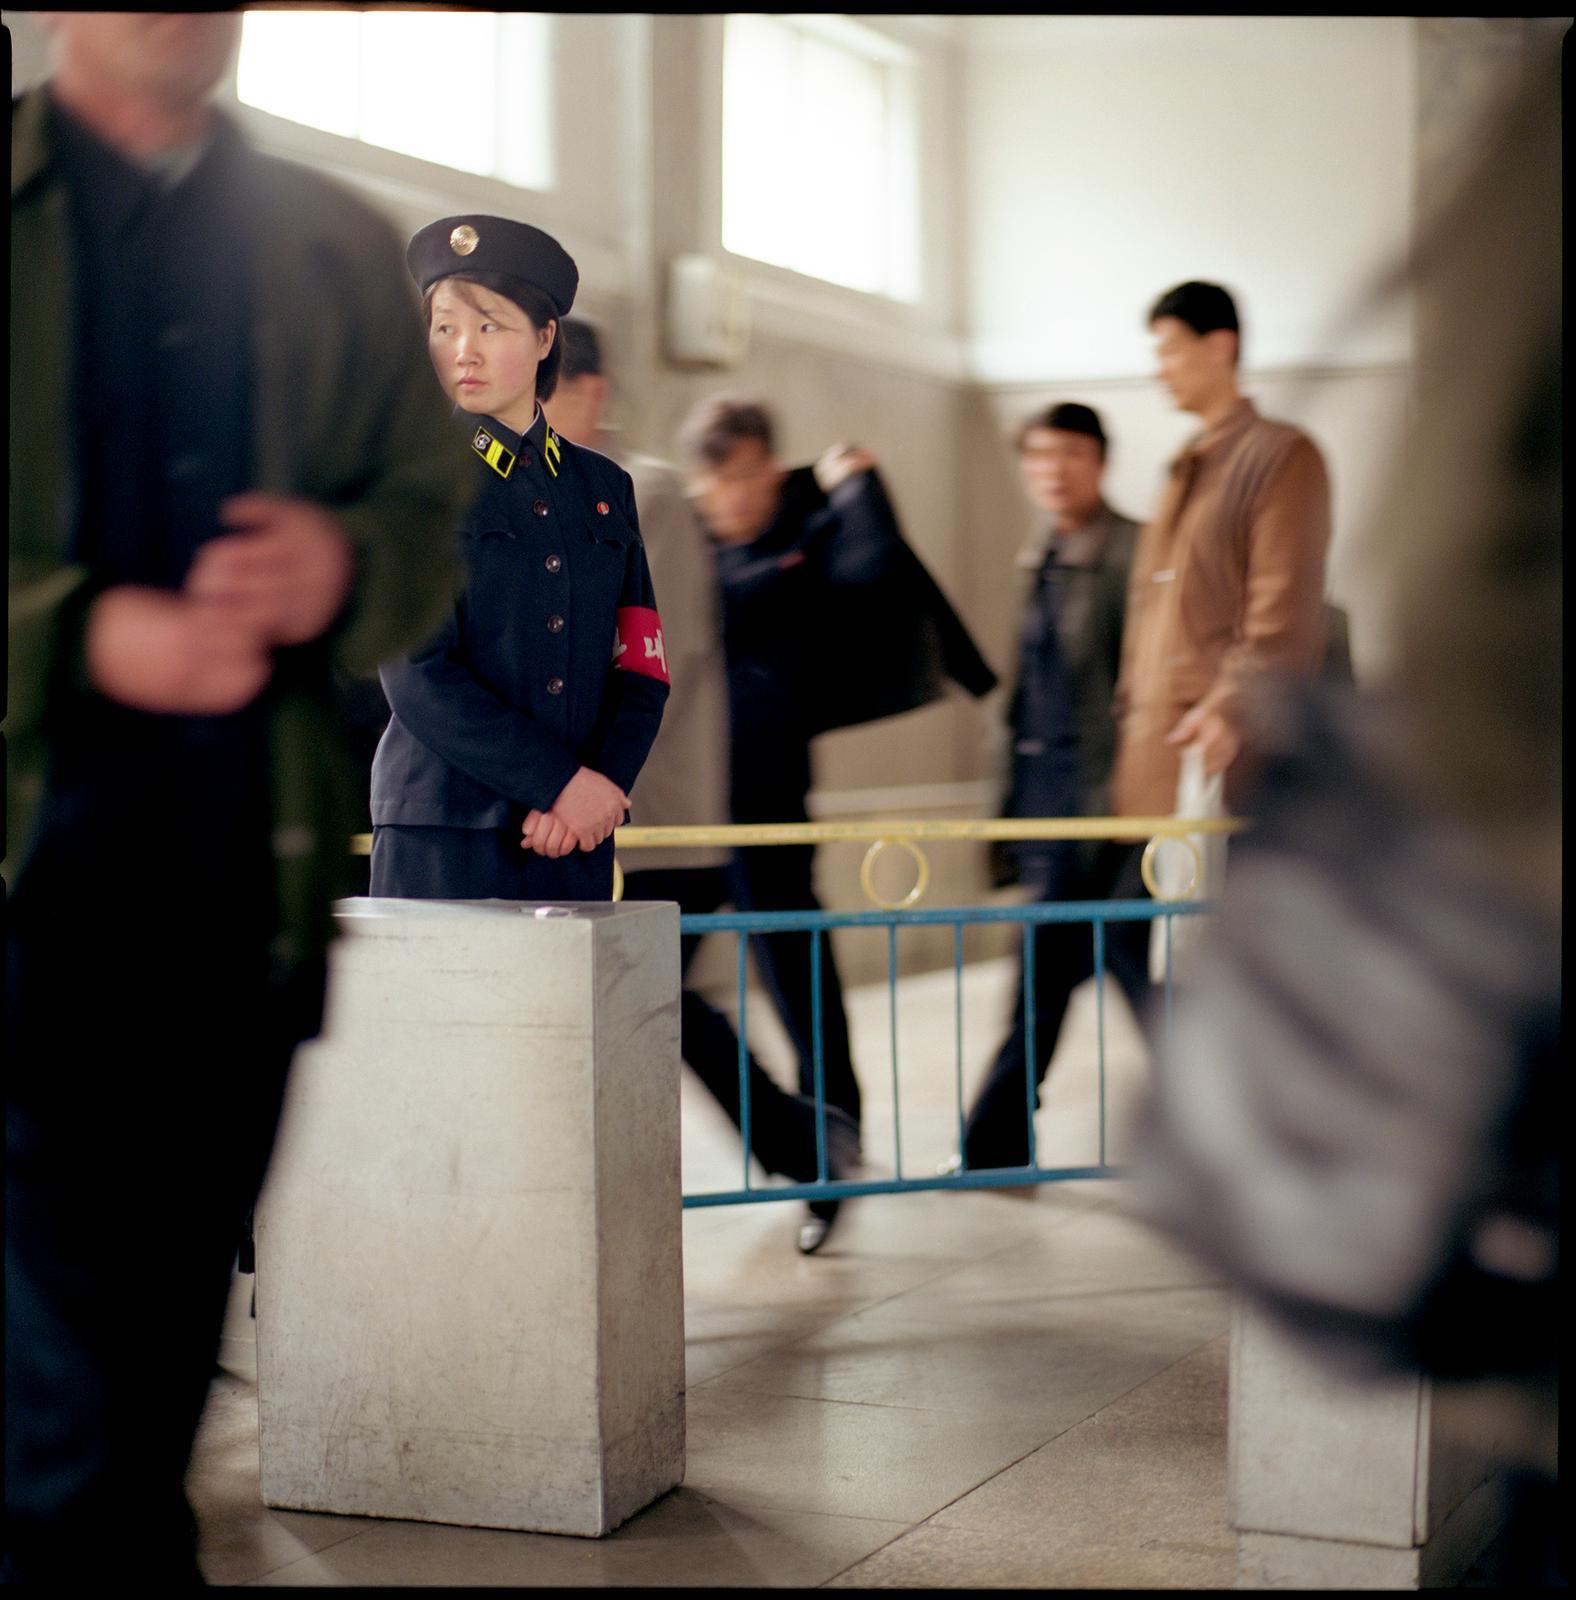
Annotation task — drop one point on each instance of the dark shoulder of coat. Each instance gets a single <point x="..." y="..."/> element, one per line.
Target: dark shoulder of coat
<point x="893" y="639"/>
<point x="342" y="228"/>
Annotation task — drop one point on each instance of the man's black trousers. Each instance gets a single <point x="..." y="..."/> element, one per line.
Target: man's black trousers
<point x="782" y="1128"/>
<point x="148" y="1054"/>
<point x="997" y="1131"/>
<point x="780" y="878"/>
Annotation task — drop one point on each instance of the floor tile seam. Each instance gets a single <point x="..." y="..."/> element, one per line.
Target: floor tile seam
<point x="972" y="1411"/>
<point x="869" y="1555"/>
<point x="929" y="1519"/>
<point x="812" y="1333"/>
<point x="787" y="1344"/>
<point x="311" y="1555"/>
<point x="748" y="1502"/>
<point x="946" y="1265"/>
<point x="1090" y="1422"/>
<point x="733" y="1502"/>
<point x="960" y="1265"/>
<point x="848" y="1316"/>
<point x="1170" y="1366"/>
<point x="965" y="1264"/>
<point x="1090" y="1294"/>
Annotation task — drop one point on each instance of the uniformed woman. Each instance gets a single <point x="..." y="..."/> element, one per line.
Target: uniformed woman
<point x="517" y="733"/>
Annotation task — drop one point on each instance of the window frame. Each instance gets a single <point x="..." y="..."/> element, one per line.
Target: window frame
<point x="304" y="140"/>
<point x="792" y="304"/>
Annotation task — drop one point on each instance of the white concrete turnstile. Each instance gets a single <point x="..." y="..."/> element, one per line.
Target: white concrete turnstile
<point x="469" y="1248"/>
<point x="1339" y="1484"/>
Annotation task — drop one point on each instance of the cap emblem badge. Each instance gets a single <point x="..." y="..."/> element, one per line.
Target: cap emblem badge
<point x="464" y="239"/>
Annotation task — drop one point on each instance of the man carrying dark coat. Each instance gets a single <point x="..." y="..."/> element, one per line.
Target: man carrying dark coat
<point x="829" y="621"/>
<point x="1064" y="741"/>
<point x="229" y="474"/>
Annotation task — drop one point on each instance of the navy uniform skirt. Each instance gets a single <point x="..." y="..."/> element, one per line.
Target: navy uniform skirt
<point x="413" y="863"/>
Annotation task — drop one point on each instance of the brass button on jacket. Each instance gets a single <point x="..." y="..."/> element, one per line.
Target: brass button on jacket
<point x="555" y="624"/>
<point x="555" y="685"/>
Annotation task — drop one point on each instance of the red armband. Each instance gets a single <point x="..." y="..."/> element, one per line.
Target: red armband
<point x="638" y="646"/>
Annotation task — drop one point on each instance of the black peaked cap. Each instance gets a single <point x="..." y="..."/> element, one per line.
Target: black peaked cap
<point x="480" y="243"/>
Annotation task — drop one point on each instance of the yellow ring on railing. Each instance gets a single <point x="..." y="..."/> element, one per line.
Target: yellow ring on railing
<point x="867" y="882"/>
<point x="1147" y="864"/>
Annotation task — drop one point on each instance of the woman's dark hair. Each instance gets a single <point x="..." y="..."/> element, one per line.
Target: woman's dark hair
<point x="715" y="426"/>
<point x="530" y="300"/>
<point x="1204" y="307"/>
<point x="1070" y="417"/>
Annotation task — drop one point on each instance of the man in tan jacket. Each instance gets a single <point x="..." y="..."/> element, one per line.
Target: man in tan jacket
<point x="1228" y="578"/>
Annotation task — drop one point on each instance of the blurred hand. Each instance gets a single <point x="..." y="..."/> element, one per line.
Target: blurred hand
<point x="158" y="651"/>
<point x="588" y="808"/>
<point x="839" y="462"/>
<point x="1220" y="740"/>
<point x="286" y="571"/>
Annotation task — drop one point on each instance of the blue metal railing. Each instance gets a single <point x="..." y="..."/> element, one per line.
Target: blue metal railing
<point x="817" y="924"/>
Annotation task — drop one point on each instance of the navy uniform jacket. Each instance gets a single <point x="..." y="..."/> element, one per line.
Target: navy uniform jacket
<point x="552" y="658"/>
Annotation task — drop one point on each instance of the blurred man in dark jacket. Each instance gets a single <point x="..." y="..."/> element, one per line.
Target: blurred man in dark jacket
<point x="684" y="782"/>
<point x="1064" y="739"/>
<point x="829" y="620"/>
<point x="229" y="475"/>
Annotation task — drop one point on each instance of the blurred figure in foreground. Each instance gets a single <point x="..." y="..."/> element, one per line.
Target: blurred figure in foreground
<point x="829" y="621"/>
<point x="1357" y="1117"/>
<point x="229" y="472"/>
<point x="684" y="782"/>
<point x="1064" y="737"/>
<point x="1228" y="579"/>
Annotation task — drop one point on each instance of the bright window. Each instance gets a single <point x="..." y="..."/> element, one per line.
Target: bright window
<point x="819" y="151"/>
<point x="464" y="89"/>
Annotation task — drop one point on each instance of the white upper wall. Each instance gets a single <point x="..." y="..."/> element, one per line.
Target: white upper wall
<point x="1110" y="157"/>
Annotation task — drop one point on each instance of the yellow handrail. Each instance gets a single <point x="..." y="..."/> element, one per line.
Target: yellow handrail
<point x="904" y="831"/>
<point x="765" y="833"/>
<point x="760" y="833"/>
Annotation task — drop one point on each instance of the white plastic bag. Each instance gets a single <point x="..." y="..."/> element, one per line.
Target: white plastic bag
<point x="1174" y="864"/>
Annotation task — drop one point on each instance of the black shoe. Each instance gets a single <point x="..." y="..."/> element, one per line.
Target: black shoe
<point x="820" y="1215"/>
<point x="842" y="1157"/>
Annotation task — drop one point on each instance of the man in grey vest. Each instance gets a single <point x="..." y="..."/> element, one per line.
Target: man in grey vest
<point x="1064" y="740"/>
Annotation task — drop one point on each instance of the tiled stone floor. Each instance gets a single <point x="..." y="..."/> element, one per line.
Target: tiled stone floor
<point x="961" y="1390"/>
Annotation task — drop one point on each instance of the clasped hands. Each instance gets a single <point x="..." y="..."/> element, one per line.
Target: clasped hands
<point x="588" y="808"/>
<point x="279" y="577"/>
